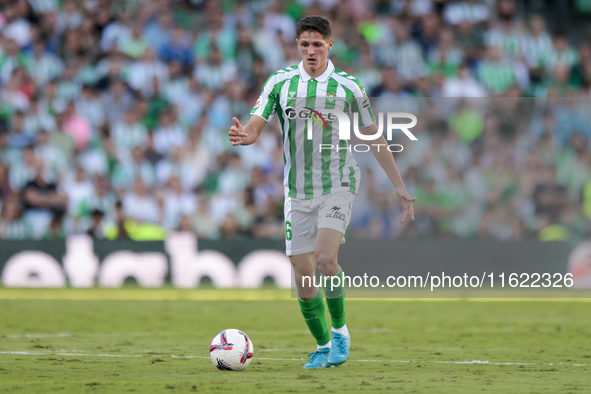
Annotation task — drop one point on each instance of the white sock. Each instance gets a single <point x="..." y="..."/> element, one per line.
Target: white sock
<point x="318" y="347"/>
<point x="343" y="330"/>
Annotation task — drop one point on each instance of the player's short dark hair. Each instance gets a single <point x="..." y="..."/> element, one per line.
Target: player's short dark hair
<point x="315" y="23"/>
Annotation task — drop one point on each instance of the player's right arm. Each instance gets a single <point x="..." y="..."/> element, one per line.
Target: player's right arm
<point x="262" y="113"/>
<point x="246" y="135"/>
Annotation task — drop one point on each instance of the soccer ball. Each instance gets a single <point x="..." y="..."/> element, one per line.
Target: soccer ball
<point x="231" y="350"/>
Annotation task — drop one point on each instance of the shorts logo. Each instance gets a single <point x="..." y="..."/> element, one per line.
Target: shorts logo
<point x="335" y="213"/>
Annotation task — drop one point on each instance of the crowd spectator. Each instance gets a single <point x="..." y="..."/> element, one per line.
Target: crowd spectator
<point x="114" y="116"/>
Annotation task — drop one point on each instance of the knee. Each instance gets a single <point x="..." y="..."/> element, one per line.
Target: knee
<point x="326" y="262"/>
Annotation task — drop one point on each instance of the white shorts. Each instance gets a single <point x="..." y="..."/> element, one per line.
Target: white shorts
<point x="304" y="217"/>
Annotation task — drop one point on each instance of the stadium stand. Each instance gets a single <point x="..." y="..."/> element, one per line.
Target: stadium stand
<point x="115" y="116"/>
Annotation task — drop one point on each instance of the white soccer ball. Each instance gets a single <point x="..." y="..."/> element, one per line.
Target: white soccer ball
<point x="231" y="350"/>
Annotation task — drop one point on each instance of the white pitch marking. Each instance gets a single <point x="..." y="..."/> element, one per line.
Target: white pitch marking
<point x="63" y="334"/>
<point x="402" y="361"/>
<point x="25" y="353"/>
<point x="481" y="362"/>
<point x="99" y="355"/>
<point x="256" y="358"/>
<point x="384" y="361"/>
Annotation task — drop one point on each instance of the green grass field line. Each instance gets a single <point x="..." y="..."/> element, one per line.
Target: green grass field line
<point x="171" y="294"/>
<point x="299" y="360"/>
<point x="162" y="345"/>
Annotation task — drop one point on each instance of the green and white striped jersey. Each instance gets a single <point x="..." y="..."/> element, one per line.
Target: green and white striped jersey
<point x="309" y="172"/>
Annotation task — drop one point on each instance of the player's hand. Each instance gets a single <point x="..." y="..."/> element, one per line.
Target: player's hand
<point x="237" y="134"/>
<point x="405" y="201"/>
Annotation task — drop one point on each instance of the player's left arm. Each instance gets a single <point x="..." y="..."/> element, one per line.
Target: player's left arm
<point x="386" y="160"/>
<point x="368" y="125"/>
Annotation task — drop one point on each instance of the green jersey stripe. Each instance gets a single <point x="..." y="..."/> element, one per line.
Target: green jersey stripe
<point x="309" y="143"/>
<point x="293" y="87"/>
<point x="326" y="155"/>
<point x="354" y="106"/>
<point x="269" y="108"/>
<point x="352" y="180"/>
<point x="319" y="129"/>
<point x="282" y="120"/>
<point x="357" y="98"/>
<point x="342" y="143"/>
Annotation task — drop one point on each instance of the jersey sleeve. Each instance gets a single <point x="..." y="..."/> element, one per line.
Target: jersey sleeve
<point x="266" y="104"/>
<point x="361" y="105"/>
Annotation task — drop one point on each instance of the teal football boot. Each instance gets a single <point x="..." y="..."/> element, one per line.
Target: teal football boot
<point x="339" y="352"/>
<point x="318" y="359"/>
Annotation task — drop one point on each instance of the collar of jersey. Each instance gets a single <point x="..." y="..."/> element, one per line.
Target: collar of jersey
<point x="322" y="78"/>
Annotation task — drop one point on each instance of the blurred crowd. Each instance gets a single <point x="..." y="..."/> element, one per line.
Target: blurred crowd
<point x="114" y="117"/>
<point x="503" y="167"/>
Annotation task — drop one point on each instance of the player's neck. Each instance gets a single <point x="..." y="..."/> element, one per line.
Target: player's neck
<point x="319" y="71"/>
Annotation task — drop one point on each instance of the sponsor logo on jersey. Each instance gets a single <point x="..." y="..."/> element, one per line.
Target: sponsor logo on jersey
<point x="309" y="113"/>
<point x="317" y="116"/>
<point x="290" y="112"/>
<point x="258" y="102"/>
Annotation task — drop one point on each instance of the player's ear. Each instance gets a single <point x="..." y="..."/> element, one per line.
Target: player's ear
<point x="330" y="44"/>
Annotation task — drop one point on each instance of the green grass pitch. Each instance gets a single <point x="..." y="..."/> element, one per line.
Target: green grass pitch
<point x="156" y="341"/>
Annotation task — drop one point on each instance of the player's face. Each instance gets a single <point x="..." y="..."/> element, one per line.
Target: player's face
<point x="314" y="50"/>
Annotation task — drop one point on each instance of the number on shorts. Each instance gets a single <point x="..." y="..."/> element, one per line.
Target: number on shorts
<point x="288" y="231"/>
